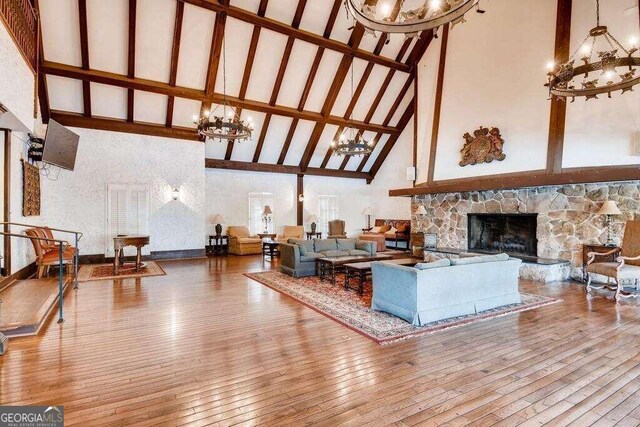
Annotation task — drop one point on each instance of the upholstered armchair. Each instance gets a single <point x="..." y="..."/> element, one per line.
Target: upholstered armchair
<point x="626" y="268"/>
<point x="241" y="242"/>
<point x="336" y="229"/>
<point x="291" y="232"/>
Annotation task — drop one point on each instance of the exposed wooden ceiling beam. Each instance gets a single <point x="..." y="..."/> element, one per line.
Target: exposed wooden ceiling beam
<point x="287" y="30"/>
<point x="246" y="75"/>
<point x="404" y="120"/>
<point x="175" y="55"/>
<point x="43" y="91"/>
<point x="84" y="55"/>
<point x="312" y="75"/>
<point x="263" y="167"/>
<point x="118" y="125"/>
<point x="535" y="178"/>
<point x="131" y="61"/>
<point x="214" y="55"/>
<point x="119" y="80"/>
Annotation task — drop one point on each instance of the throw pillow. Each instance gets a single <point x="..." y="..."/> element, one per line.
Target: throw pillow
<point x="376" y="230"/>
<point x="385" y="228"/>
<point x="402" y="228"/>
<point x="444" y="262"/>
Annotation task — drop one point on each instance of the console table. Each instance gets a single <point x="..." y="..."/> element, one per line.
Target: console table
<point x="121" y="242"/>
<point x="312" y="234"/>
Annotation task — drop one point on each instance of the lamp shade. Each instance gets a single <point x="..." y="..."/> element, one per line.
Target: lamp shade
<point x="609" y="208"/>
<point x="421" y="210"/>
<point x="366" y="211"/>
<point x="217" y="219"/>
<point x="313" y="218"/>
<point x="267" y="210"/>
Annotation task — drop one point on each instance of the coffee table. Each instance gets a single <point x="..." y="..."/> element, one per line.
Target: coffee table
<point x="331" y="266"/>
<point x="361" y="270"/>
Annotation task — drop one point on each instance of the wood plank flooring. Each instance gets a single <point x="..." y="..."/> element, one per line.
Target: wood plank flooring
<point x="205" y="345"/>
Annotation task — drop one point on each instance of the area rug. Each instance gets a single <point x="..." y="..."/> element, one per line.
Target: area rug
<point x="350" y="309"/>
<point x="88" y="273"/>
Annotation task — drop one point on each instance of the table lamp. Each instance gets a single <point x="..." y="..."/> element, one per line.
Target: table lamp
<point x="421" y="210"/>
<point x="367" y="213"/>
<point x="313" y="219"/>
<point x="266" y="217"/>
<point x="218" y="220"/>
<point x="609" y="208"/>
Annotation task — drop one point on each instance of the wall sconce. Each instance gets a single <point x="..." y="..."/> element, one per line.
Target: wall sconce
<point x="301" y="198"/>
<point x="175" y="194"/>
<point x="421" y="211"/>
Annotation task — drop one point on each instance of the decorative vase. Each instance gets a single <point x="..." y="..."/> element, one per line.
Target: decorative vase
<point x="313" y="227"/>
<point x="218" y="230"/>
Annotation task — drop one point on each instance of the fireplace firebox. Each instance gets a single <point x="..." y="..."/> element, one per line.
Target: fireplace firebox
<point x="514" y="234"/>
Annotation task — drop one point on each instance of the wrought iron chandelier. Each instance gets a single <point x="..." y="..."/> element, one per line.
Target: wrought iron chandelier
<point x="618" y="66"/>
<point x="228" y="126"/>
<point x="351" y="142"/>
<point x="432" y="14"/>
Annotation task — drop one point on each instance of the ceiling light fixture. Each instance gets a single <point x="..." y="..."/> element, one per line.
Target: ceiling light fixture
<point x="351" y="142"/>
<point x="227" y="126"/>
<point x="432" y="14"/>
<point x="618" y="67"/>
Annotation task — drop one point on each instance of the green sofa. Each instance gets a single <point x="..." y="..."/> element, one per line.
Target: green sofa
<point x="298" y="257"/>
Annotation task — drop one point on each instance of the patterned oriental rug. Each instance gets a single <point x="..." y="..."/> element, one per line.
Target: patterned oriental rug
<point x="353" y="311"/>
<point x="88" y="273"/>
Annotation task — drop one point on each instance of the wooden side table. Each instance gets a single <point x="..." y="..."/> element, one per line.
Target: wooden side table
<point x="218" y="245"/>
<point x="311" y="235"/>
<point x="599" y="249"/>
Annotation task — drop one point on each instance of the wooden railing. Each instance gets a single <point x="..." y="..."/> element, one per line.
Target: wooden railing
<point x="20" y="19"/>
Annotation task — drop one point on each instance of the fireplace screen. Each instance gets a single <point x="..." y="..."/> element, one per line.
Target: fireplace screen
<point x="514" y="234"/>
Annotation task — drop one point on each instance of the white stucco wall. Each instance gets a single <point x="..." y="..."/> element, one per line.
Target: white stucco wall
<point x="601" y="132"/>
<point x="227" y="193"/>
<point x="491" y="81"/>
<point x="78" y="199"/>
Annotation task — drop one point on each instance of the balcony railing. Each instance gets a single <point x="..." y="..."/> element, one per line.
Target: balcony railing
<point x="21" y="20"/>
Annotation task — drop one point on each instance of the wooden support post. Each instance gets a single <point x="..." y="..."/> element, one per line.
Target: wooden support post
<point x="7" y="200"/>
<point x="300" y="199"/>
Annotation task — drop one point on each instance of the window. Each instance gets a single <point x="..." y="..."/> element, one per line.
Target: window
<point x="257" y="202"/>
<point x="127" y="212"/>
<point x="328" y="206"/>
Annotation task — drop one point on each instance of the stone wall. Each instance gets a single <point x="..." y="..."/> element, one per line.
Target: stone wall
<point x="566" y="215"/>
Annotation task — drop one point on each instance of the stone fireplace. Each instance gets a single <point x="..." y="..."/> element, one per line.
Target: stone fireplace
<point x="514" y="234"/>
<point x="565" y="217"/>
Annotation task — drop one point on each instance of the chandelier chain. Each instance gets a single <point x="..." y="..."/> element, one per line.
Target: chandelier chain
<point x="598" y="13"/>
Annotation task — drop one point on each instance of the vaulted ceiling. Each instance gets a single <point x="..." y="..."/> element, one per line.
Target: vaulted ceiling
<point x="149" y="66"/>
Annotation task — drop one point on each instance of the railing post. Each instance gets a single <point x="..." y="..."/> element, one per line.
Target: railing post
<point x="75" y="267"/>
<point x="60" y="279"/>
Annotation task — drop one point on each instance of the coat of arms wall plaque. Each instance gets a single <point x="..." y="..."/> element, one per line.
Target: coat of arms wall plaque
<point x="484" y="147"/>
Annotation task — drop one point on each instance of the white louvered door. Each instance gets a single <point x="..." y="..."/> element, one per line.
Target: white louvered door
<point x="127" y="213"/>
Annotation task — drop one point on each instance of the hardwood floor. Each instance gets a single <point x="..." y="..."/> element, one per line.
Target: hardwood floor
<point x="205" y="345"/>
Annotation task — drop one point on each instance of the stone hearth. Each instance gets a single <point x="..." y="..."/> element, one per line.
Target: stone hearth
<point x="566" y="215"/>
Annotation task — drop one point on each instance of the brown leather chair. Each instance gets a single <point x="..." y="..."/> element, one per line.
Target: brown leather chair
<point x="336" y="229"/>
<point x="625" y="268"/>
<point x="47" y="252"/>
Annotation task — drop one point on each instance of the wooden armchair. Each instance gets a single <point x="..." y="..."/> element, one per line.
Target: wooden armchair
<point x="291" y="232"/>
<point x="625" y="268"/>
<point x="336" y="229"/>
<point x="47" y="251"/>
<point x="241" y="242"/>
